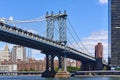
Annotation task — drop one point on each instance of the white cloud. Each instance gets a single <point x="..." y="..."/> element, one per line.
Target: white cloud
<point x="33" y="31"/>
<point x="37" y="55"/>
<point x="11" y="18"/>
<point x="92" y="40"/>
<point x="103" y="1"/>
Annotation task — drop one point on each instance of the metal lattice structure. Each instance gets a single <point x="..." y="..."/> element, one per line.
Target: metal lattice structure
<point x="50" y="26"/>
<point x="61" y="20"/>
<point x="62" y="27"/>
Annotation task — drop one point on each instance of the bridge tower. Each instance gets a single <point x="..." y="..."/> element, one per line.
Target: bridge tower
<point x="60" y="19"/>
<point x="62" y="27"/>
<point x="50" y="26"/>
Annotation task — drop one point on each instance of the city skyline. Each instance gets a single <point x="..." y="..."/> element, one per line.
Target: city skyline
<point x="91" y="25"/>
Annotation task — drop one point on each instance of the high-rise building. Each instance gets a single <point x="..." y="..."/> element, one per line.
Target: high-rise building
<point x="99" y="56"/>
<point x="5" y="54"/>
<point x="114" y="33"/>
<point x="18" y="53"/>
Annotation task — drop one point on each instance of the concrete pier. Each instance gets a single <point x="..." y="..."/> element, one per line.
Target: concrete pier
<point x="48" y="74"/>
<point x="62" y="74"/>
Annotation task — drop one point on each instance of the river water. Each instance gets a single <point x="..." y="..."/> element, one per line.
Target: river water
<point x="39" y="78"/>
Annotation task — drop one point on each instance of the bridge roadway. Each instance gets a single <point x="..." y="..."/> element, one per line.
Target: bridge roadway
<point x="18" y="36"/>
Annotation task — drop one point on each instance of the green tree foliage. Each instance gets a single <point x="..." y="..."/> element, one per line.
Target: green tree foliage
<point x="117" y="68"/>
<point x="29" y="69"/>
<point x="70" y="68"/>
<point x="105" y="68"/>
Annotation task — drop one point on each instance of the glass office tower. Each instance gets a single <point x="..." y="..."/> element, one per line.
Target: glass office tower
<point x="114" y="33"/>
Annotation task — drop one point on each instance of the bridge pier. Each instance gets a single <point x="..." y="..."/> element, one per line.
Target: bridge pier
<point x="63" y="73"/>
<point x="87" y="66"/>
<point x="49" y="72"/>
<point x="99" y="64"/>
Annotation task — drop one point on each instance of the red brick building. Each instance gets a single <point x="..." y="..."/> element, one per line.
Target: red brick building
<point x="31" y="65"/>
<point x="99" y="50"/>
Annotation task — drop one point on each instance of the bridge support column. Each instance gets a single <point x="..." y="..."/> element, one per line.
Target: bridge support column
<point x="49" y="72"/>
<point x="65" y="64"/>
<point x="61" y="62"/>
<point x="87" y="66"/>
<point x="82" y="66"/>
<point x="62" y="73"/>
<point x="99" y="64"/>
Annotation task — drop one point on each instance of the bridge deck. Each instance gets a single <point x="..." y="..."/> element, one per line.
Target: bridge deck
<point x="21" y="37"/>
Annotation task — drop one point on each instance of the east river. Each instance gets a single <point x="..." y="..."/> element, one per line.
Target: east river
<point x="39" y="78"/>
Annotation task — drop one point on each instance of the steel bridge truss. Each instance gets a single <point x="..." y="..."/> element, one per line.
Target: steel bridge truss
<point x="61" y="21"/>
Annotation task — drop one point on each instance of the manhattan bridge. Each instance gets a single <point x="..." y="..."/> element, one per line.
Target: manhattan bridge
<point x="51" y="39"/>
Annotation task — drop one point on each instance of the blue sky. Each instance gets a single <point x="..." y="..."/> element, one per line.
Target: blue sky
<point x="87" y="16"/>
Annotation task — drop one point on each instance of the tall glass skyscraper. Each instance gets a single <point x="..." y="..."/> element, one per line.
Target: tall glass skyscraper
<point x="114" y="33"/>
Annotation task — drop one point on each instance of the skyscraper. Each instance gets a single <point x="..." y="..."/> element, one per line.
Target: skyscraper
<point x="5" y="54"/>
<point x="114" y="33"/>
<point x="18" y="53"/>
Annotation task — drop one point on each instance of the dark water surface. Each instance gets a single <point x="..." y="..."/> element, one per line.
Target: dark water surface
<point x="39" y="78"/>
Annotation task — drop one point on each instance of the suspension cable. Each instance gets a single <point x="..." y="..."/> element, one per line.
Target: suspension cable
<point x="68" y="40"/>
<point x="78" y="37"/>
<point x="71" y="44"/>
<point x="75" y="39"/>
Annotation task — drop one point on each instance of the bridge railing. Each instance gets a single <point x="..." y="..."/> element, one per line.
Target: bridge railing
<point x="78" y="51"/>
<point x="28" y="34"/>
